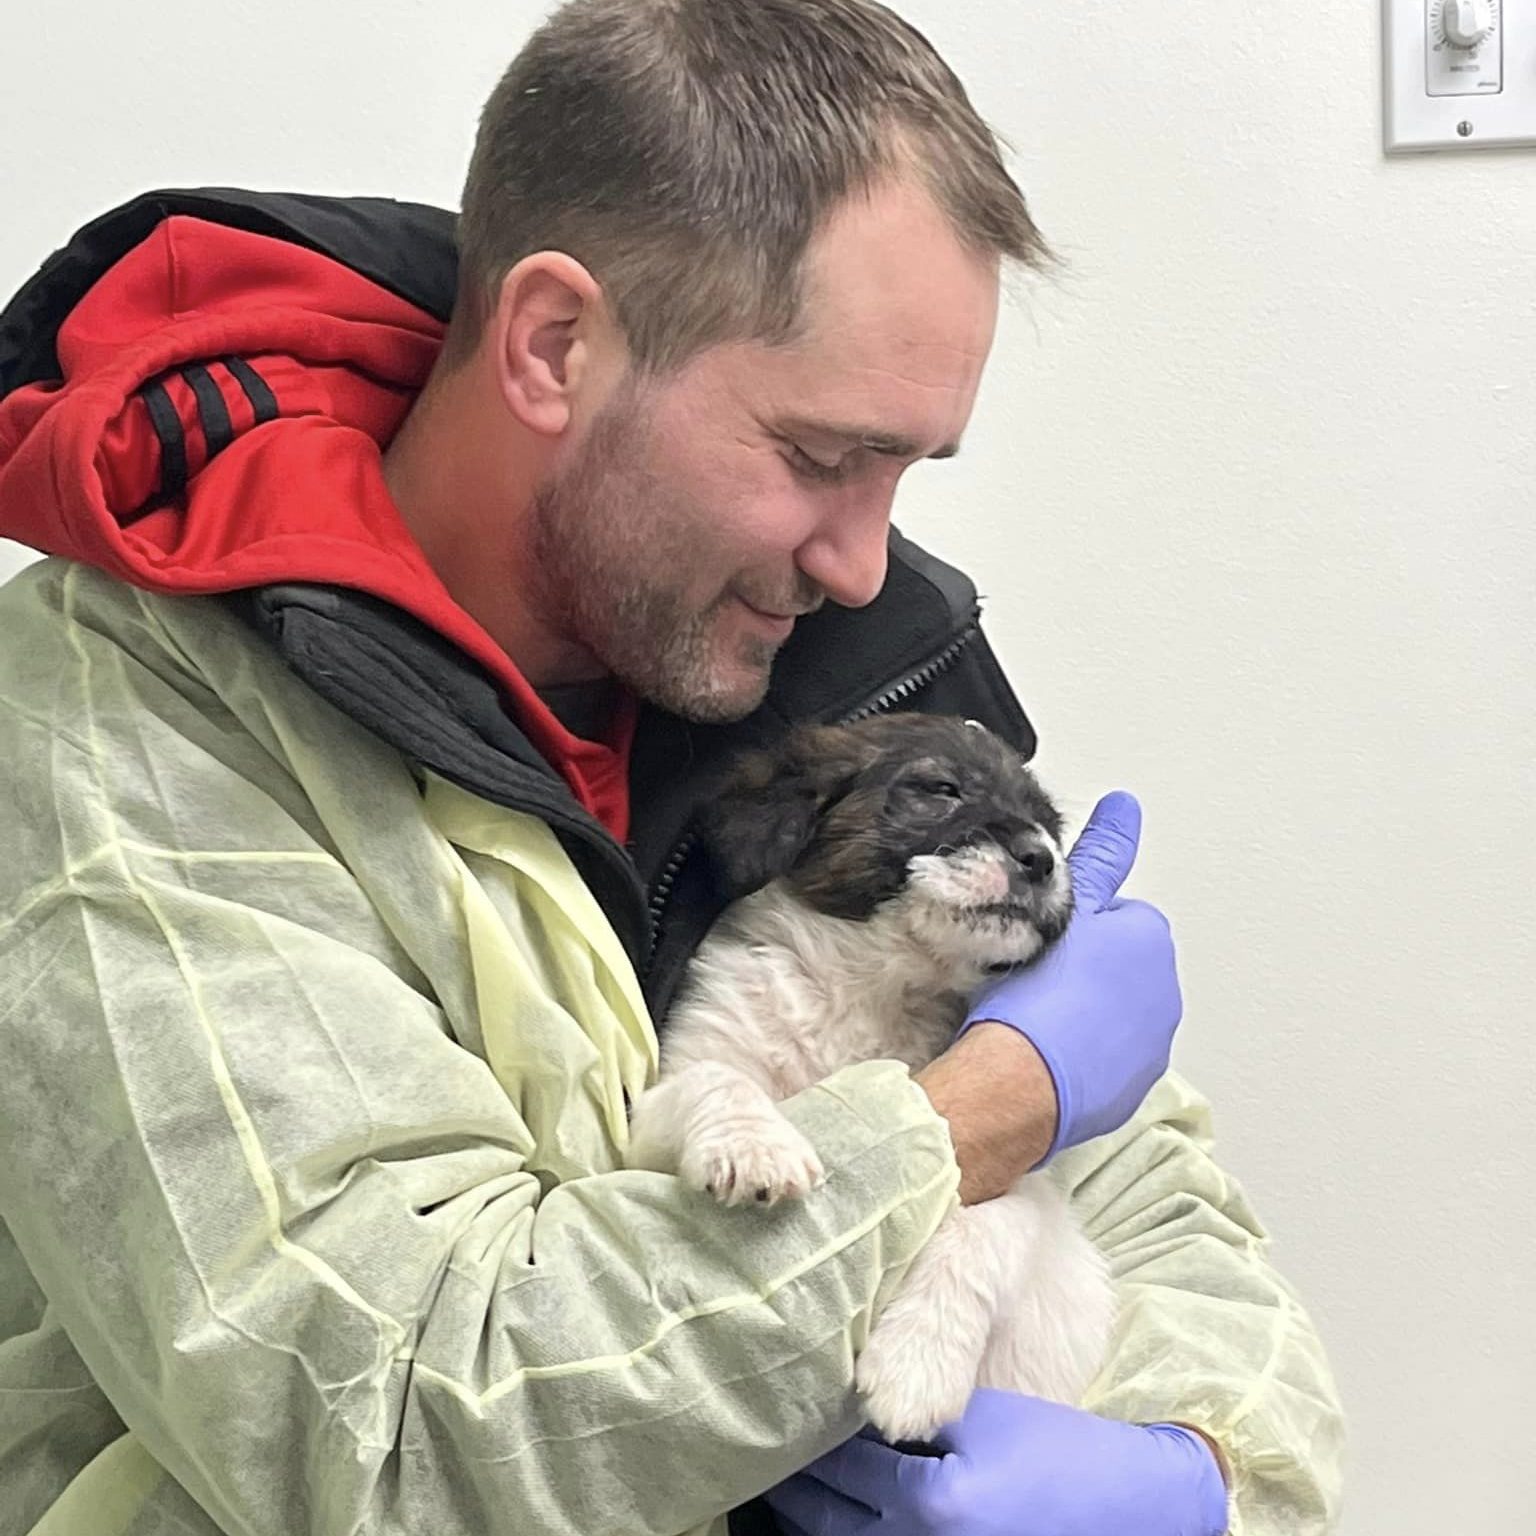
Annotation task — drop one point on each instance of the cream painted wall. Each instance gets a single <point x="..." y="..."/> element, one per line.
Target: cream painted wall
<point x="1251" y="491"/>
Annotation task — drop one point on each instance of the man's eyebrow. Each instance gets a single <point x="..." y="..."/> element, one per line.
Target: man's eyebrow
<point x="891" y="444"/>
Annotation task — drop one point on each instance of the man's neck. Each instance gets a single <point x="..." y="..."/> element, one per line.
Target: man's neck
<point x="467" y="496"/>
<point x="586" y="710"/>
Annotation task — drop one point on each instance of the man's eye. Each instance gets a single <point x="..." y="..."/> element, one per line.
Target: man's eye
<point x="813" y="469"/>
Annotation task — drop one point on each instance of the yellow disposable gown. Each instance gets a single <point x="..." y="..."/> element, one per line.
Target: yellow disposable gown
<point x="312" y="1116"/>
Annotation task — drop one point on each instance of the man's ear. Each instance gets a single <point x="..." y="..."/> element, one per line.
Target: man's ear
<point x="549" y="321"/>
<point x="764" y="815"/>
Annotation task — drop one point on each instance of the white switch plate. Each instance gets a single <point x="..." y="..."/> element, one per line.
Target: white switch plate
<point x="1415" y="120"/>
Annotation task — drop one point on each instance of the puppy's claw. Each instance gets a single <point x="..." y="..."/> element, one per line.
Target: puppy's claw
<point x="763" y="1165"/>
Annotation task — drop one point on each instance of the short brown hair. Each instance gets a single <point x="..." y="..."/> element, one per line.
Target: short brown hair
<point x="686" y="151"/>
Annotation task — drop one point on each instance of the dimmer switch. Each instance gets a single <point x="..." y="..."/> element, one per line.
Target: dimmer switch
<point x="1460" y="74"/>
<point x="1464" y="47"/>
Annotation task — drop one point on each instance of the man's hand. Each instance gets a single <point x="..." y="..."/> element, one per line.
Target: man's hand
<point x="1101" y="1007"/>
<point x="1014" y="1466"/>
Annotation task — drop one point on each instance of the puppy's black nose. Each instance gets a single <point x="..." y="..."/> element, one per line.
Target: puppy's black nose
<point x="1035" y="860"/>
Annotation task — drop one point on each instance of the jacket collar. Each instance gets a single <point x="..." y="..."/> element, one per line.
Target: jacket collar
<point x="401" y="680"/>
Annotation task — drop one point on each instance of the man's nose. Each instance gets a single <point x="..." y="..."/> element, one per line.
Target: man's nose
<point x="848" y="555"/>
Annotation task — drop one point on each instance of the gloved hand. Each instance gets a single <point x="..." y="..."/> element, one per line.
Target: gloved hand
<point x="1101" y="1006"/>
<point x="1013" y="1466"/>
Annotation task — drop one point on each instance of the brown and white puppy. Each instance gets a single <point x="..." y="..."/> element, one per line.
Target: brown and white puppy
<point x="881" y="871"/>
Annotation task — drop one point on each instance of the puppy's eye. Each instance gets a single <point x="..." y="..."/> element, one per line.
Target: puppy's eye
<point x="940" y="789"/>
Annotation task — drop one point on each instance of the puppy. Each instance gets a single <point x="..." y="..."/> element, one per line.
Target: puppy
<point x="881" y="873"/>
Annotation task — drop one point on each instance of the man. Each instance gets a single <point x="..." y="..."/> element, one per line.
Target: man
<point x="351" y="743"/>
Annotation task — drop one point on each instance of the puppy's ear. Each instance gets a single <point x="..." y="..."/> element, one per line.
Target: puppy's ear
<point x="764" y="815"/>
<point x="754" y="832"/>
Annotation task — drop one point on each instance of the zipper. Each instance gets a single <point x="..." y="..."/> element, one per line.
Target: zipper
<point x="897" y="693"/>
<point x="661" y="895"/>
<point x="900" y="692"/>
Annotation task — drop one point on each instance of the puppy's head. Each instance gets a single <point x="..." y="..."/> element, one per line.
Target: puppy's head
<point x="930" y="819"/>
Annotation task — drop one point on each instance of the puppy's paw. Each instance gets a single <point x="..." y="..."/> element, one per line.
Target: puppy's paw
<point x="912" y="1379"/>
<point x="760" y="1162"/>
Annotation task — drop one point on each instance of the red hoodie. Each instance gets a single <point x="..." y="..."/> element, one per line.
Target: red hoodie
<point x="294" y="370"/>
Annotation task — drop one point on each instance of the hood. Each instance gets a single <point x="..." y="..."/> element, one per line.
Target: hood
<point x="194" y="395"/>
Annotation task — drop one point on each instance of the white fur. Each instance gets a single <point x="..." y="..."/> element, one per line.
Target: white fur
<point x="1007" y="1294"/>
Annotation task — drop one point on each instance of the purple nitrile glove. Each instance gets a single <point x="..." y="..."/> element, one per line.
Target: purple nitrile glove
<point x="1100" y="1006"/>
<point x="1014" y="1466"/>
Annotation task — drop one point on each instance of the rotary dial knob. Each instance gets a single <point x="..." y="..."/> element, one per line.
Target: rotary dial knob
<point x="1467" y="22"/>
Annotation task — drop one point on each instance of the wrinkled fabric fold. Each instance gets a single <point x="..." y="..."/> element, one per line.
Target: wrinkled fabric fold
<point x="1209" y="1333"/>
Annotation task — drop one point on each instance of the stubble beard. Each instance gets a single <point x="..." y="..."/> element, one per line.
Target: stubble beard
<point x="611" y="543"/>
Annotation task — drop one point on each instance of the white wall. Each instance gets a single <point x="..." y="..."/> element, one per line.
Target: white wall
<point x="1252" y="492"/>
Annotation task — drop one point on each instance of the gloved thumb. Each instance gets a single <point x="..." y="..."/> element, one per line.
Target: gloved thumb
<point x="1103" y="855"/>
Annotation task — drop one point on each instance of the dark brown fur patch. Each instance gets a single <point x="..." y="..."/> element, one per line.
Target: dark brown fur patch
<point x="840" y="811"/>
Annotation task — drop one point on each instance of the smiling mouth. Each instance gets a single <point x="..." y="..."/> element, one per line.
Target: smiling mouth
<point x="776" y="626"/>
<point x="773" y="615"/>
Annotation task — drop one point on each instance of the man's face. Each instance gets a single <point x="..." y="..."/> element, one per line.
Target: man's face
<point x="696" y="517"/>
